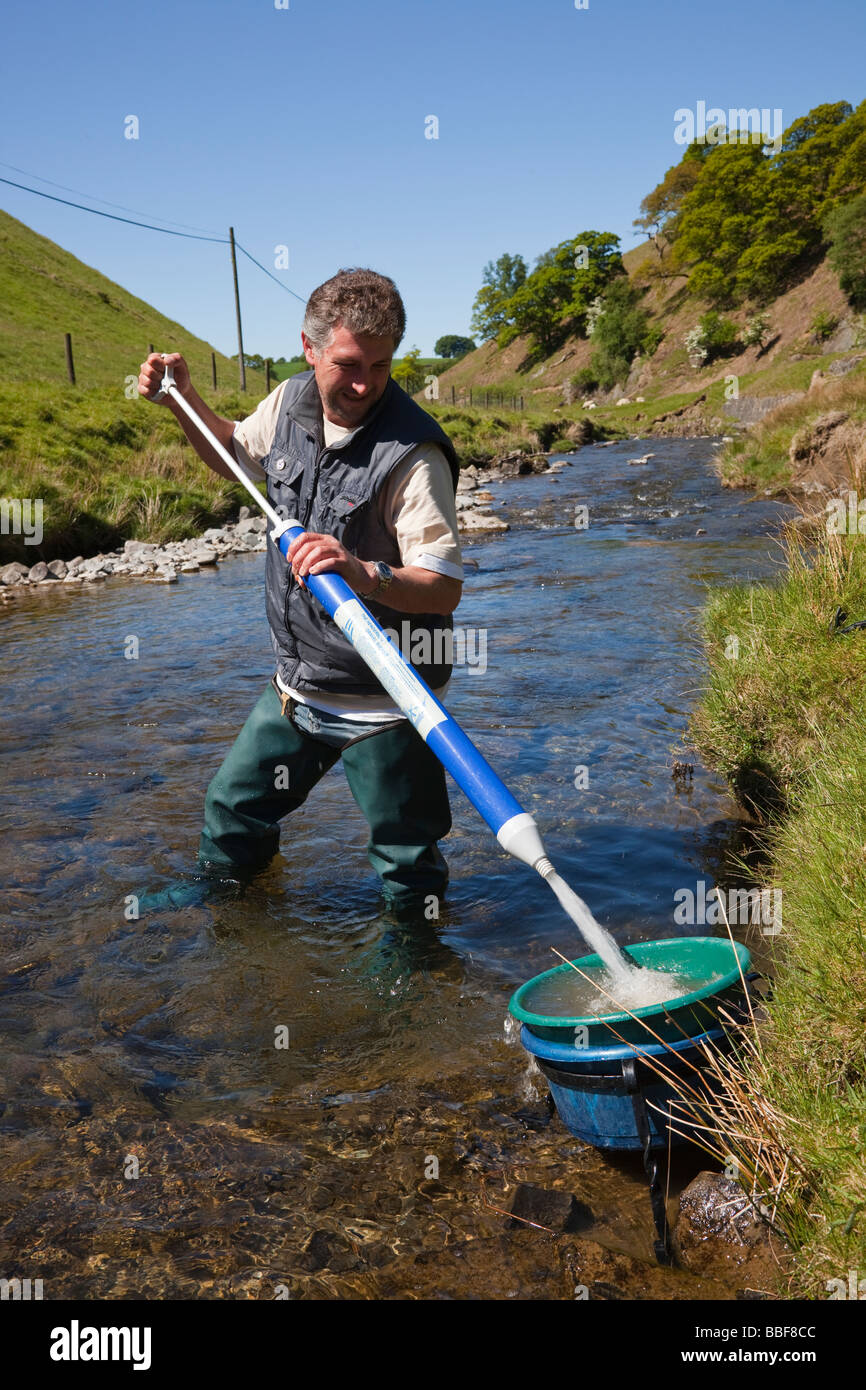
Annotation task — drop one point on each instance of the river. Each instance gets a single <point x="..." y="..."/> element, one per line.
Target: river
<point x="258" y="1094"/>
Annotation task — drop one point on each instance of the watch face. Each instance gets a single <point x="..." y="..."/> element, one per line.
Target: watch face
<point x="384" y="572"/>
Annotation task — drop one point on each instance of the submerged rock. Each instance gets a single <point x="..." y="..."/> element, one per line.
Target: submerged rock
<point x="713" y="1205"/>
<point x="558" y="1211"/>
<point x="718" y="1228"/>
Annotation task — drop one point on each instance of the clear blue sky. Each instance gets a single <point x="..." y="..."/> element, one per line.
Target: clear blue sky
<point x="305" y="127"/>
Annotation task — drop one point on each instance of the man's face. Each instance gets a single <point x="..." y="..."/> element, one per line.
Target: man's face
<point x="351" y="374"/>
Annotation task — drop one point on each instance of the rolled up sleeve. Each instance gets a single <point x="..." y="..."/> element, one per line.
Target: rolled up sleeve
<point x="421" y="504"/>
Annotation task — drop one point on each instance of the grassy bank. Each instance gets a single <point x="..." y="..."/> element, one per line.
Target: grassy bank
<point x="784" y="717"/>
<point x="106" y="468"/>
<point x="761" y="459"/>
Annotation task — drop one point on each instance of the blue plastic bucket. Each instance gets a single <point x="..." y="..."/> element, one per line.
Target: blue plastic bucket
<point x="607" y="1095"/>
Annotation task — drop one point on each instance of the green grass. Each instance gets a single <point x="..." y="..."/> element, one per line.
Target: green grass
<point x="786" y="721"/>
<point x="46" y="292"/>
<point x="106" y="468"/>
<point x="479" y="435"/>
<point x="281" y="371"/>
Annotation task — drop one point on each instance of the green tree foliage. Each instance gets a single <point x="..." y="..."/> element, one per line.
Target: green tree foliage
<point x="823" y="325"/>
<point x="742" y="220"/>
<point x="586" y="379"/>
<point x="408" y="372"/>
<point x="719" y="334"/>
<point x="622" y="330"/>
<point x="452" y="345"/>
<point x="734" y="231"/>
<point x="559" y="293"/>
<point x="846" y="232"/>
<point x="501" y="279"/>
<point x="659" y="209"/>
<point x="848" y="177"/>
<point x="808" y="154"/>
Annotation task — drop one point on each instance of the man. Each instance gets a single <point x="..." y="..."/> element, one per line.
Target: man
<point x="372" y="478"/>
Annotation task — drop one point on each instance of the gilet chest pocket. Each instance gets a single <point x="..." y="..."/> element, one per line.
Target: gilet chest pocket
<point x="285" y="476"/>
<point x="343" y="507"/>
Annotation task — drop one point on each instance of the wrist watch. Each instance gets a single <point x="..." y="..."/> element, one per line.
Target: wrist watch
<point x="384" y="575"/>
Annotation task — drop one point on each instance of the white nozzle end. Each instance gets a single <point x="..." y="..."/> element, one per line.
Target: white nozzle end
<point x="520" y="837"/>
<point x="283" y="527"/>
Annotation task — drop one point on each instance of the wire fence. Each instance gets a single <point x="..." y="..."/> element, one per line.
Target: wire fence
<point x="479" y="398"/>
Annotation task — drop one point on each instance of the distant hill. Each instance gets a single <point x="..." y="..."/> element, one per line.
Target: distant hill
<point x="513" y="369"/>
<point x="753" y="275"/>
<point x="46" y="292"/>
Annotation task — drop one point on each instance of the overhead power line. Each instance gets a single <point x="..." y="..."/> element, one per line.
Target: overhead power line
<point x="168" y="231"/>
<point x="151" y="227"/>
<point x="188" y="227"/>
<point x="268" y="273"/>
<point x="97" y="212"/>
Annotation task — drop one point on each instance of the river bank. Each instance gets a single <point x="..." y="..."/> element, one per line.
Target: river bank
<point x="87" y="473"/>
<point x="155" y="563"/>
<point x="783" y="717"/>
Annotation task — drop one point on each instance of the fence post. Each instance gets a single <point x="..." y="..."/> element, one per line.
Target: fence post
<point x="267" y="376"/>
<point x="452" y="395"/>
<point x="213" y="369"/>
<point x="470" y="395"/>
<point x="70" y="365"/>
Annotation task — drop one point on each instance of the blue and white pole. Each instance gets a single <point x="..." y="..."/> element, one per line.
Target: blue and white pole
<point x="513" y="827"/>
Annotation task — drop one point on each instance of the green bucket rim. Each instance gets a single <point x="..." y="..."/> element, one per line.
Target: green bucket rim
<point x="533" y="1020"/>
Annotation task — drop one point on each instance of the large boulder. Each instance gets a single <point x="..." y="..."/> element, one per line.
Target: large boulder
<point x="14" y="573"/>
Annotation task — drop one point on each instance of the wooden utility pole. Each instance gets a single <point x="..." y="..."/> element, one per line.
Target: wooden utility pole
<point x="213" y="369"/>
<point x="70" y="365"/>
<point x="242" y="371"/>
<point x="267" y="376"/>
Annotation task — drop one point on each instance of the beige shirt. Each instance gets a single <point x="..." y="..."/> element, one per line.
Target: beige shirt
<point x="419" y="510"/>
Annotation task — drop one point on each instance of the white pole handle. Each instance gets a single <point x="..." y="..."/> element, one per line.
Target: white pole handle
<point x="168" y="388"/>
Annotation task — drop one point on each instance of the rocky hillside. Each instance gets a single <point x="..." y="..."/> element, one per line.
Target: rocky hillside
<point x="765" y="375"/>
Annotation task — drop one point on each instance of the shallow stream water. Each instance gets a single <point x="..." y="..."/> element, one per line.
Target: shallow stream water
<point x="288" y="1089"/>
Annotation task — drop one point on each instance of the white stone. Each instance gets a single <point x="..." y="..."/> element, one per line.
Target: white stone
<point x="481" y="521"/>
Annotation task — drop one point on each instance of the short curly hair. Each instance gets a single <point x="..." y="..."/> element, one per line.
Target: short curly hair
<point x="363" y="301"/>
